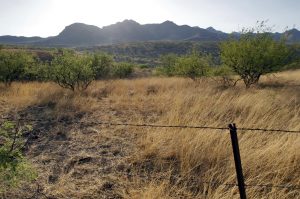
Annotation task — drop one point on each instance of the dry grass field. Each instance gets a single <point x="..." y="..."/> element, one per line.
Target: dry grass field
<point x="77" y="159"/>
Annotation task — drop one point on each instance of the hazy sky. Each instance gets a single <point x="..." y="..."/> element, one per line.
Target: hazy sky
<point x="49" y="17"/>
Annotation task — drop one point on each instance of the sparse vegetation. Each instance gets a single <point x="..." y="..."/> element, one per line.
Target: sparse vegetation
<point x="157" y="110"/>
<point x="78" y="158"/>
<point x="163" y="163"/>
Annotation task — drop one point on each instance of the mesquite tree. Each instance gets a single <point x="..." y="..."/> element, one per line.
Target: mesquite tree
<point x="72" y="71"/>
<point x="254" y="54"/>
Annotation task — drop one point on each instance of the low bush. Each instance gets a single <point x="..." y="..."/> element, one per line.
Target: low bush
<point x="14" y="169"/>
<point x="101" y="65"/>
<point x="121" y="70"/>
<point x="168" y="64"/>
<point x="192" y="65"/>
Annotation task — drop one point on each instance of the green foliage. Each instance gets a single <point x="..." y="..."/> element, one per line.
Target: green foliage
<point x="168" y="64"/>
<point x="254" y="54"/>
<point x="14" y="169"/>
<point x="13" y="65"/>
<point x="121" y="70"/>
<point x="37" y="71"/>
<point x="101" y="65"/>
<point x="192" y="65"/>
<point x="143" y="66"/>
<point x="221" y="71"/>
<point x="294" y="59"/>
<point x="72" y="71"/>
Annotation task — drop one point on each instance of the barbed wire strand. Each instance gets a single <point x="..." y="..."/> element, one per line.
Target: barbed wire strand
<point x="165" y="126"/>
<point x="291" y="187"/>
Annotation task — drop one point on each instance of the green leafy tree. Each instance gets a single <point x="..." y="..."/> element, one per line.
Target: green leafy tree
<point x="254" y="54"/>
<point x="72" y="71"/>
<point x="101" y="65"/>
<point x="14" y="169"/>
<point x="13" y="64"/>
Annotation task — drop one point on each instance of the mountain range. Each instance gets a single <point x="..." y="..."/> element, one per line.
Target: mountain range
<point x="80" y="34"/>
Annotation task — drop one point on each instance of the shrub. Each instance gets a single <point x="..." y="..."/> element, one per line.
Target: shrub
<point x="121" y="70"/>
<point x="193" y="65"/>
<point x="101" y="65"/>
<point x="168" y="64"/>
<point x="38" y="71"/>
<point x="13" y="65"/>
<point x="72" y="71"/>
<point x="14" y="169"/>
<point x="144" y="66"/>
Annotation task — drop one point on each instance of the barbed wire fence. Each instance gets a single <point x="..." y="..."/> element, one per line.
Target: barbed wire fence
<point x="153" y="125"/>
<point x="233" y="129"/>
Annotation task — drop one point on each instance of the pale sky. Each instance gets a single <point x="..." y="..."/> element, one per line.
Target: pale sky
<point x="49" y="17"/>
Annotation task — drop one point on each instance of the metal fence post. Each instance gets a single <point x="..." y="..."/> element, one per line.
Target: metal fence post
<point x="237" y="160"/>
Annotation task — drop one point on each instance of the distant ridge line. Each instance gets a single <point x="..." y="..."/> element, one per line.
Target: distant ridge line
<point x="80" y="34"/>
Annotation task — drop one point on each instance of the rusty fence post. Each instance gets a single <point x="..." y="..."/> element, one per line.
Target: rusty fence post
<point x="237" y="160"/>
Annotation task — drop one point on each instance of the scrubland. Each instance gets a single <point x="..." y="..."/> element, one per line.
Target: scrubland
<point x="77" y="159"/>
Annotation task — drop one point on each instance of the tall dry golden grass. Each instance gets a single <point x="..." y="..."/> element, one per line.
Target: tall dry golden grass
<point x="194" y="155"/>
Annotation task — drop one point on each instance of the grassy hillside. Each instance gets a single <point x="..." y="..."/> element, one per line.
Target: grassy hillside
<point x="77" y="159"/>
